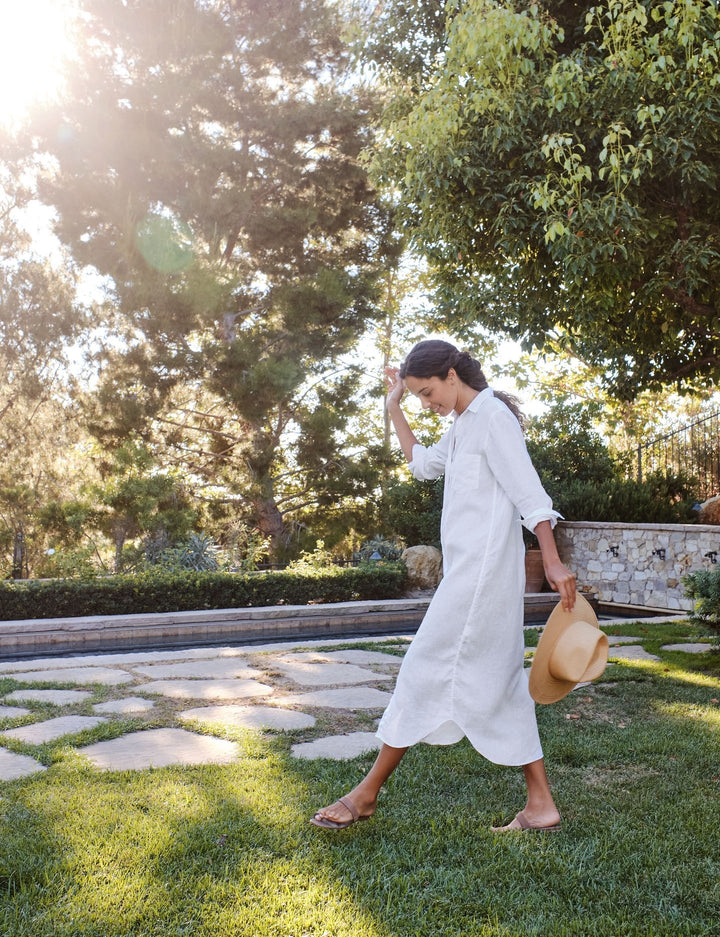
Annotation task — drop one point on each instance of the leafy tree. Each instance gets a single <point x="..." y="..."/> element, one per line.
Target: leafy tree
<point x="40" y="321"/>
<point x="558" y="166"/>
<point x="134" y="500"/>
<point x="205" y="161"/>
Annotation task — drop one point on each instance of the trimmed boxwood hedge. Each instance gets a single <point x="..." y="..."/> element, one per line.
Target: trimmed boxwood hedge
<point x="162" y="591"/>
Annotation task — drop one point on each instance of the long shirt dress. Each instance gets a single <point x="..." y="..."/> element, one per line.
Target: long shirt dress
<point x="463" y="674"/>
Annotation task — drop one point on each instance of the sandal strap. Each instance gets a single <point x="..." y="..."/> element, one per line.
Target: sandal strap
<point x="346" y="802"/>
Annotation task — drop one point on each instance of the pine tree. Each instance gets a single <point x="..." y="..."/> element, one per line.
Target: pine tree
<point x="205" y="161"/>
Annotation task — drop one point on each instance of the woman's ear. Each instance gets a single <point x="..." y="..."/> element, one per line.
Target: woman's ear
<point x="451" y="375"/>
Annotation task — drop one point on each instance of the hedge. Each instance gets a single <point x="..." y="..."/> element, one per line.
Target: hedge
<point x="163" y="591"/>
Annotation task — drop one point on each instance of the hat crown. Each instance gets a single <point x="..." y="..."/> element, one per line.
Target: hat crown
<point x="579" y="653"/>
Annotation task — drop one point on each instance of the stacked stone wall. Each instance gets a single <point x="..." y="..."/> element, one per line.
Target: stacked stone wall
<point x="638" y="564"/>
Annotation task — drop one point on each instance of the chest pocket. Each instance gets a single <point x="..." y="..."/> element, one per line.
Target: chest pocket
<point x="466" y="472"/>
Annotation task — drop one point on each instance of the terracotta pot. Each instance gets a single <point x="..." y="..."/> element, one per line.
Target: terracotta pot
<point x="534" y="571"/>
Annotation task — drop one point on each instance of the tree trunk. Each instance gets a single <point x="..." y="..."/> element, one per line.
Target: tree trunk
<point x="19" y="564"/>
<point x="119" y="535"/>
<point x="271" y="524"/>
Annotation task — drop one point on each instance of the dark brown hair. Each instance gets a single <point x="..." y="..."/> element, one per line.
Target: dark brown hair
<point x="434" y="358"/>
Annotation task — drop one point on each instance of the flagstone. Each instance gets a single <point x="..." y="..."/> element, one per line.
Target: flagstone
<point x="306" y="673"/>
<point x="689" y="648"/>
<point x="14" y="766"/>
<point x="614" y="639"/>
<point x="206" y="689"/>
<point x="56" y="697"/>
<point x="214" y="669"/>
<point x="120" y="659"/>
<point x="348" y="656"/>
<point x="338" y="747"/>
<point x="126" y="706"/>
<point x="12" y="712"/>
<point x="156" y="748"/>
<point x="82" y="675"/>
<point x="40" y="732"/>
<point x="631" y="652"/>
<point x="249" y="717"/>
<point x="357" y="697"/>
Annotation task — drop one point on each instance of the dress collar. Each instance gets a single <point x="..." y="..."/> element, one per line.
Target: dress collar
<point x="476" y="402"/>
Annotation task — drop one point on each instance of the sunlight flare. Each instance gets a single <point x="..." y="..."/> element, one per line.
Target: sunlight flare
<point x="33" y="42"/>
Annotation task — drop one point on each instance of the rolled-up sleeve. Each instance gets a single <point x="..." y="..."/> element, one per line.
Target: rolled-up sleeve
<point x="429" y="462"/>
<point x="509" y="461"/>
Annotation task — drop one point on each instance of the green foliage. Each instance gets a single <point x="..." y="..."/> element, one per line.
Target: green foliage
<point x="411" y="511"/>
<point x="704" y="586"/>
<point x="168" y="591"/>
<point x="558" y="165"/>
<point x="198" y="553"/>
<point x="563" y="447"/>
<point x="658" y="499"/>
<point x="388" y="550"/>
<point x="587" y="483"/>
<point x="314" y="561"/>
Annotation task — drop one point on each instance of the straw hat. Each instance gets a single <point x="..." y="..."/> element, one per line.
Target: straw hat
<point x="572" y="649"/>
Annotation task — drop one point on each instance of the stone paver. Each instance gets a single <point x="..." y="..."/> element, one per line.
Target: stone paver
<point x="631" y="652"/>
<point x="689" y="648"/>
<point x="207" y="689"/>
<point x="81" y="675"/>
<point x="614" y="639"/>
<point x="357" y="697"/>
<point x="249" y="717"/>
<point x="128" y="706"/>
<point x="12" y="712"/>
<point x="213" y="669"/>
<point x="338" y="747"/>
<point x="306" y="673"/>
<point x="56" y="697"/>
<point x="349" y="656"/>
<point x="40" y="732"/>
<point x="14" y="766"/>
<point x="156" y="748"/>
<point x="120" y="659"/>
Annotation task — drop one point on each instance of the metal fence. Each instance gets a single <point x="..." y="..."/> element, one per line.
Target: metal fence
<point x="693" y="449"/>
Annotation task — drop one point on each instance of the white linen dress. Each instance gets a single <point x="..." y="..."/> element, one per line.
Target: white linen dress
<point x="463" y="674"/>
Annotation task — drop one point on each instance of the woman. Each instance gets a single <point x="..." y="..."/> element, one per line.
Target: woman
<point x="463" y="674"/>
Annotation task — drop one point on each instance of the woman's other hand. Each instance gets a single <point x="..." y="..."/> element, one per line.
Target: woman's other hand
<point x="562" y="580"/>
<point x="395" y="385"/>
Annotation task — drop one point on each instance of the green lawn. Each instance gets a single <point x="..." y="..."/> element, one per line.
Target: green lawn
<point x="223" y="851"/>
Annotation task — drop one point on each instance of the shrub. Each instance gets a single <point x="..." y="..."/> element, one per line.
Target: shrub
<point x="411" y="511"/>
<point x="704" y="586"/>
<point x="659" y="499"/>
<point x="172" y="591"/>
<point x="386" y="548"/>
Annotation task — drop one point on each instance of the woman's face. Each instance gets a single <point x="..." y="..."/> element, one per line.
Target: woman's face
<point x="435" y="393"/>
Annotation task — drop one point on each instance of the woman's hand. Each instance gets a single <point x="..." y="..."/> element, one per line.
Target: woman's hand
<point x="396" y="387"/>
<point x="561" y="580"/>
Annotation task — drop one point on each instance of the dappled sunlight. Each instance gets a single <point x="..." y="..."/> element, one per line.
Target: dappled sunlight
<point x="663" y="670"/>
<point x="708" y="715"/>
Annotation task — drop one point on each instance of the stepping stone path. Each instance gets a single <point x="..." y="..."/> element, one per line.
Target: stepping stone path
<point x="275" y="688"/>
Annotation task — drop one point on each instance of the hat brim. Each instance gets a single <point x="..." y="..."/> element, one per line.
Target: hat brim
<point x="544" y="687"/>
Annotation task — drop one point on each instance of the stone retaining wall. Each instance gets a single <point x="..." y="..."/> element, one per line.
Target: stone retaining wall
<point x="637" y="564"/>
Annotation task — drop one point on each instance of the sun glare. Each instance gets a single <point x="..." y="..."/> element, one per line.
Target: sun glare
<point x="32" y="43"/>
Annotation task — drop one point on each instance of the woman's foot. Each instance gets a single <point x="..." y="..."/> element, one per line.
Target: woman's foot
<point x="344" y="812"/>
<point x="526" y="821"/>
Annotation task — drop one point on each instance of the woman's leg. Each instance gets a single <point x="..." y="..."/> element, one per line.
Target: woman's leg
<point x="365" y="795"/>
<point x="540" y="810"/>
